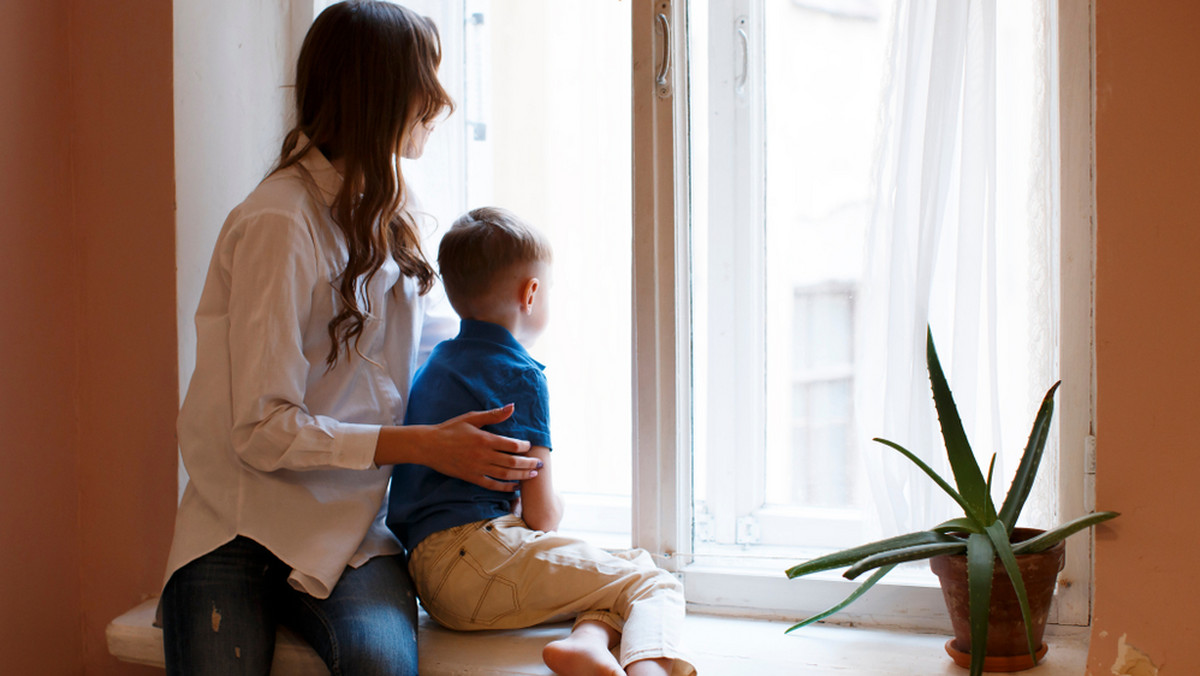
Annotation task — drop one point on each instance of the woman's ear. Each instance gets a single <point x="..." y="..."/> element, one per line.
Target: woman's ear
<point x="528" y="294"/>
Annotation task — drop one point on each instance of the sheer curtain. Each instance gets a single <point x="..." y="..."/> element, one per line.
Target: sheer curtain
<point x="960" y="239"/>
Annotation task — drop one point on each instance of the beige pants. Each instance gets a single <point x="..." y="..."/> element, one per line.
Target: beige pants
<point x="499" y="574"/>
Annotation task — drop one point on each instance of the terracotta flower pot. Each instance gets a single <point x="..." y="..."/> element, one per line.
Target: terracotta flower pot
<point x="1007" y="649"/>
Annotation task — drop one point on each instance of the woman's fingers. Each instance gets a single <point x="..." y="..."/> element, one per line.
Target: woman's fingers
<point x="481" y="418"/>
<point x="479" y="471"/>
<point x="507" y="445"/>
<point x="507" y="474"/>
<point x="488" y="460"/>
<point x="491" y="484"/>
<point x="496" y="415"/>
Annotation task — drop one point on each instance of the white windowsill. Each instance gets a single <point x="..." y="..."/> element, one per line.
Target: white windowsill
<point x="719" y="646"/>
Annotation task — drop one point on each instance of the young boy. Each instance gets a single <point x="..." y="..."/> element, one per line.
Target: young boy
<point x="477" y="564"/>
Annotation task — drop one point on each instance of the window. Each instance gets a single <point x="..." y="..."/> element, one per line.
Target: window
<point x="744" y="180"/>
<point x="755" y="202"/>
<point x="782" y="105"/>
<point x="542" y="127"/>
<point x="655" y="497"/>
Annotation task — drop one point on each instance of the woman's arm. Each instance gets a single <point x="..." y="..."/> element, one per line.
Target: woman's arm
<point x="268" y="260"/>
<point x="458" y="448"/>
<point x="541" y="507"/>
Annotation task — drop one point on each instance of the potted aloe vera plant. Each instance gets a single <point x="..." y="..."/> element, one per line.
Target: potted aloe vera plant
<point x="970" y="545"/>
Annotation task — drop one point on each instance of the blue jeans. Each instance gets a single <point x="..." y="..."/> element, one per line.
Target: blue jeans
<point x="221" y="611"/>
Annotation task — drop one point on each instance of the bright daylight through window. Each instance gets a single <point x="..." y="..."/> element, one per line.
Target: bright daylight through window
<point x="858" y="169"/>
<point x="542" y="127"/>
<point x="801" y="150"/>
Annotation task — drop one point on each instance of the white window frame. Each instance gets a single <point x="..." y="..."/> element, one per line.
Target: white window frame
<point x="662" y="504"/>
<point x="661" y="353"/>
<point x="661" y="377"/>
<point x="736" y="512"/>
<point x="738" y="151"/>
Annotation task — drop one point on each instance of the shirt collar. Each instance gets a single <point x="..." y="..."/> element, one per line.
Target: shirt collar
<point x="473" y="329"/>
<point x="326" y="178"/>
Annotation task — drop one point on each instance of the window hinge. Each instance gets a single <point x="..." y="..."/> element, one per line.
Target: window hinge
<point x="747" y="531"/>
<point x="703" y="523"/>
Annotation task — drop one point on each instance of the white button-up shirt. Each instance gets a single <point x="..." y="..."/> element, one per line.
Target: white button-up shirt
<point x="277" y="447"/>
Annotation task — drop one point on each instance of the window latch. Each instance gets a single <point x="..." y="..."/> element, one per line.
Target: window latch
<point x="662" y="80"/>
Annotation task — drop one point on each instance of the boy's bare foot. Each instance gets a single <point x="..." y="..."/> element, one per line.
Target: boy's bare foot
<point x="584" y="653"/>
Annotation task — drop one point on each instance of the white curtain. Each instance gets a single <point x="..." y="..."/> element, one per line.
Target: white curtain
<point x="961" y="239"/>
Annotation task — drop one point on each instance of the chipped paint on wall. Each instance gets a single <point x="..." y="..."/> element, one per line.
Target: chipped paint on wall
<point x="1132" y="662"/>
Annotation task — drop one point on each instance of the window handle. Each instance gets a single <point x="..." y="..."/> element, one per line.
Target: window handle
<point x="664" y="67"/>
<point x="744" y="43"/>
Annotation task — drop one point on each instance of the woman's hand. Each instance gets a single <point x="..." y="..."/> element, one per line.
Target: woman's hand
<point x="459" y="448"/>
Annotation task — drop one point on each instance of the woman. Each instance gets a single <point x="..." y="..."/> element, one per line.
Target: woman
<point x="308" y="331"/>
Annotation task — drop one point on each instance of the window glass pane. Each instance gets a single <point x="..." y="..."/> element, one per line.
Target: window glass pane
<point x="786" y="123"/>
<point x="822" y="67"/>
<point x="783" y="107"/>
<point x="542" y="127"/>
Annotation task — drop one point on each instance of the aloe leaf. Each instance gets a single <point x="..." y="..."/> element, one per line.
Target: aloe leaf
<point x="862" y="589"/>
<point x="991" y="469"/>
<point x="981" y="558"/>
<point x="998" y="534"/>
<point x="1055" y="535"/>
<point x="848" y="557"/>
<point x="1031" y="459"/>
<point x="991" y="506"/>
<point x="957" y="525"/>
<point x="902" y="556"/>
<point x="962" y="460"/>
<point x="966" y="507"/>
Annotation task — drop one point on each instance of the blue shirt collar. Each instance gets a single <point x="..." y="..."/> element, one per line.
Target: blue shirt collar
<point x="473" y="329"/>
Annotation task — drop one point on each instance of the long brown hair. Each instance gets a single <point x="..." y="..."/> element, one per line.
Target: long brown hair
<point x="367" y="74"/>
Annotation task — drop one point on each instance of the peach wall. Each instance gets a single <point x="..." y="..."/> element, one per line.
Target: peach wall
<point x="88" y="392"/>
<point x="39" y="497"/>
<point x="1147" y="329"/>
<point x="125" y="219"/>
<point x="90" y="386"/>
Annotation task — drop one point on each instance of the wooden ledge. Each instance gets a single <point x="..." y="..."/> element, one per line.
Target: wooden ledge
<point x="132" y="637"/>
<point x="718" y="646"/>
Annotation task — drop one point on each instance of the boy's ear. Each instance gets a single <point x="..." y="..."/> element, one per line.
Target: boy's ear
<point x="529" y="293"/>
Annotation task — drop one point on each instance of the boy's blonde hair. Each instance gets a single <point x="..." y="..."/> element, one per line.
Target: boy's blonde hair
<point x="481" y="244"/>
